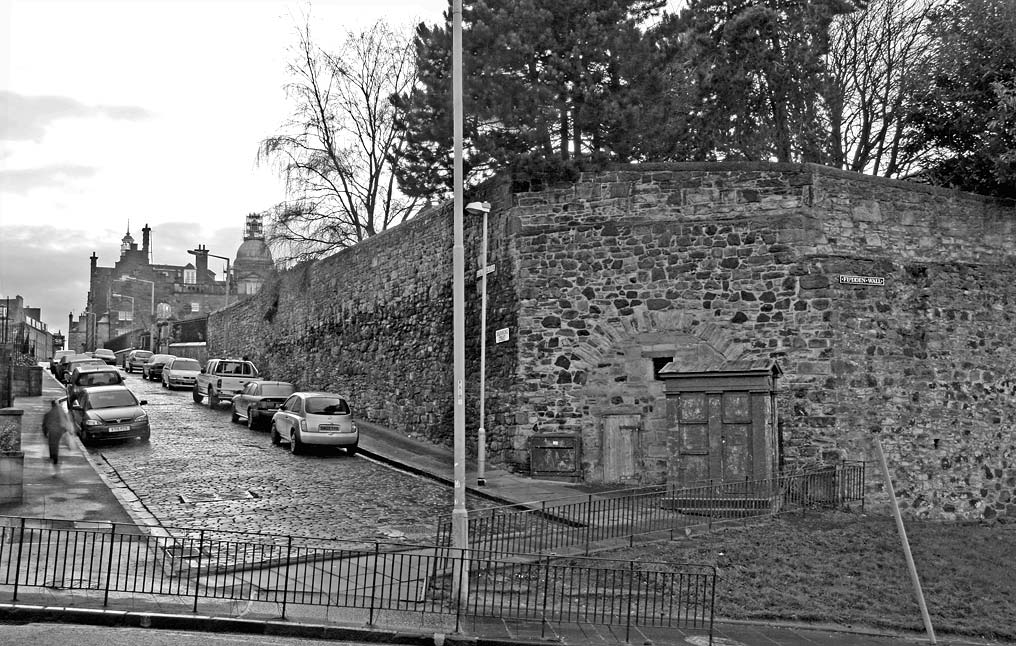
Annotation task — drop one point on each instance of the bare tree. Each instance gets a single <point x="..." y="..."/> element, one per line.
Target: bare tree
<point x="337" y="151"/>
<point x="874" y="55"/>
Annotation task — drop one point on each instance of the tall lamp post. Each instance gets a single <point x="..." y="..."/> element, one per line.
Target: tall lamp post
<point x="481" y="432"/>
<point x="460" y="524"/>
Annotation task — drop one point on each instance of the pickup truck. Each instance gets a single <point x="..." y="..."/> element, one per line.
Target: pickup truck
<point x="220" y="379"/>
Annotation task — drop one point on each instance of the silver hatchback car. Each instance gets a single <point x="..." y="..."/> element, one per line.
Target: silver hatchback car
<point x="320" y="419"/>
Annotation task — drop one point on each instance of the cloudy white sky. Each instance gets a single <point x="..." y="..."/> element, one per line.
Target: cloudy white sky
<point x="143" y="112"/>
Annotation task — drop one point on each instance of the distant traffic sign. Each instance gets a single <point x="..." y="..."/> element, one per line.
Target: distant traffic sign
<point x="500" y="336"/>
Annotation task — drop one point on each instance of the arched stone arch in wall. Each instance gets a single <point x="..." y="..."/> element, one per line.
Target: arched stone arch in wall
<point x="627" y="441"/>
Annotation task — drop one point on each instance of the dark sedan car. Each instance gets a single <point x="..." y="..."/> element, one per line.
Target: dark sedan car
<point x="110" y="413"/>
<point x="152" y="370"/>
<point x="259" y="400"/>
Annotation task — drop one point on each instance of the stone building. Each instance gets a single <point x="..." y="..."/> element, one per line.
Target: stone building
<point x="135" y="303"/>
<point x="22" y="330"/>
<point x="805" y="311"/>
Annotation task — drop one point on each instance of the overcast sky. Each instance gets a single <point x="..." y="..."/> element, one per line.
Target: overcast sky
<point x="143" y="112"/>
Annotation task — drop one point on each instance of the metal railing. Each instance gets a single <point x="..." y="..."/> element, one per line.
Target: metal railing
<point x="581" y="523"/>
<point x="378" y="580"/>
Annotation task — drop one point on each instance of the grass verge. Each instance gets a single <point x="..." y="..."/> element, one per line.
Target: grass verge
<point x="849" y="569"/>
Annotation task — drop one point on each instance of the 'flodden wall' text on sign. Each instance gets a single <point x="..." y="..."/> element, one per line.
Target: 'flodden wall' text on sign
<point x="862" y="280"/>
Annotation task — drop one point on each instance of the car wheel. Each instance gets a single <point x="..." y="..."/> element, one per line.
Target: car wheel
<point x="251" y="424"/>
<point x="351" y="449"/>
<point x="295" y="447"/>
<point x="196" y="394"/>
<point x="146" y="436"/>
<point x="233" y="417"/>
<point x="213" y="399"/>
<point x="276" y="438"/>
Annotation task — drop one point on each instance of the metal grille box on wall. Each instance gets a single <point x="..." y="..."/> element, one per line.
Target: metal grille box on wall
<point x="862" y="280"/>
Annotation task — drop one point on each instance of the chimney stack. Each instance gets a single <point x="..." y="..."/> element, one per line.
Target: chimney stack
<point x="201" y="263"/>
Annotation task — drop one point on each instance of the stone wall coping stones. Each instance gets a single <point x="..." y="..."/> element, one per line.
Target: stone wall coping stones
<point x="806" y="168"/>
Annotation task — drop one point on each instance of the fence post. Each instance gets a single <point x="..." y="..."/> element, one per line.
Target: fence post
<point x="197" y="579"/>
<point x="546" y="594"/>
<point x="457" y="584"/>
<point x="589" y="520"/>
<point x="373" y="584"/>
<point x="285" y="586"/>
<point x="863" y="486"/>
<point x="627" y="622"/>
<point x="17" y="569"/>
<point x="109" y="563"/>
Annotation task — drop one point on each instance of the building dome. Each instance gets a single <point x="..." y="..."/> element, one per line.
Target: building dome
<point x="254" y="249"/>
<point x="254" y="261"/>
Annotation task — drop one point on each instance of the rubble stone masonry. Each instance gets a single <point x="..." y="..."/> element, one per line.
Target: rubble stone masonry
<point x="601" y="282"/>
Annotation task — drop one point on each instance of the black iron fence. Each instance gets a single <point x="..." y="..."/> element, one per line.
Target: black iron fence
<point x="581" y="523"/>
<point x="376" y="579"/>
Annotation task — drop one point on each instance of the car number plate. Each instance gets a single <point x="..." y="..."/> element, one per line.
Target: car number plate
<point x="119" y="429"/>
<point x="328" y="427"/>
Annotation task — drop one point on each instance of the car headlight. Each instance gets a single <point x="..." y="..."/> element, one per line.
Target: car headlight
<point x="141" y="418"/>
<point x="92" y="422"/>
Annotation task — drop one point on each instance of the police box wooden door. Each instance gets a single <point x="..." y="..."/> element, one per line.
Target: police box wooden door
<point x="722" y="426"/>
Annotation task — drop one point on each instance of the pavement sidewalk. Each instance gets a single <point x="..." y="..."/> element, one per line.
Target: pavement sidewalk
<point x="75" y="493"/>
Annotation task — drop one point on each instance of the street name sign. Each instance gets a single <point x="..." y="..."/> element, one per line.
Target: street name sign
<point x="862" y="280"/>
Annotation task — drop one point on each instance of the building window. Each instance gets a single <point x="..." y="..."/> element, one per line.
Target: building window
<point x="125" y="316"/>
<point x="659" y="363"/>
<point x="195" y="307"/>
<point x="190" y="276"/>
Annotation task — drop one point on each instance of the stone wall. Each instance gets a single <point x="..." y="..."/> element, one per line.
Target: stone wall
<point x="602" y="282"/>
<point x="375" y="322"/>
<point x="742" y="261"/>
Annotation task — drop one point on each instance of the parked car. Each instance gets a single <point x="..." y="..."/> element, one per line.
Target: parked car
<point x="109" y="413"/>
<point x="56" y="358"/>
<point x="220" y="379"/>
<point x="152" y="369"/>
<point x="61" y="364"/>
<point x="136" y="359"/>
<point x="181" y="371"/>
<point x="74" y="362"/>
<point x="315" y="419"/>
<point x="259" y="400"/>
<point x="106" y="355"/>
<point x="89" y="375"/>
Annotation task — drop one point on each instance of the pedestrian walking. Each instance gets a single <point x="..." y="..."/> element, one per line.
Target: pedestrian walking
<point x="54" y="424"/>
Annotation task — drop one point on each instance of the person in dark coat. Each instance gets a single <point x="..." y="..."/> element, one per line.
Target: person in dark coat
<point x="54" y="424"/>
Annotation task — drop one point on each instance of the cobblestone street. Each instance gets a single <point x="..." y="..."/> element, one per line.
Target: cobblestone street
<point x="202" y="471"/>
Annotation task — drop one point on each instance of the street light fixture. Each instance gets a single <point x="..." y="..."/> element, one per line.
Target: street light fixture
<point x="142" y="280"/>
<point x="481" y="432"/>
<point x="212" y="255"/>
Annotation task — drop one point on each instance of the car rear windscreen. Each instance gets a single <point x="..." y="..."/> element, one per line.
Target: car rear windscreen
<point x="327" y="406"/>
<point x="276" y="390"/>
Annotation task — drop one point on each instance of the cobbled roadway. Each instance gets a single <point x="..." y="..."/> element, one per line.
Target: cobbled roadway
<point x="201" y="471"/>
